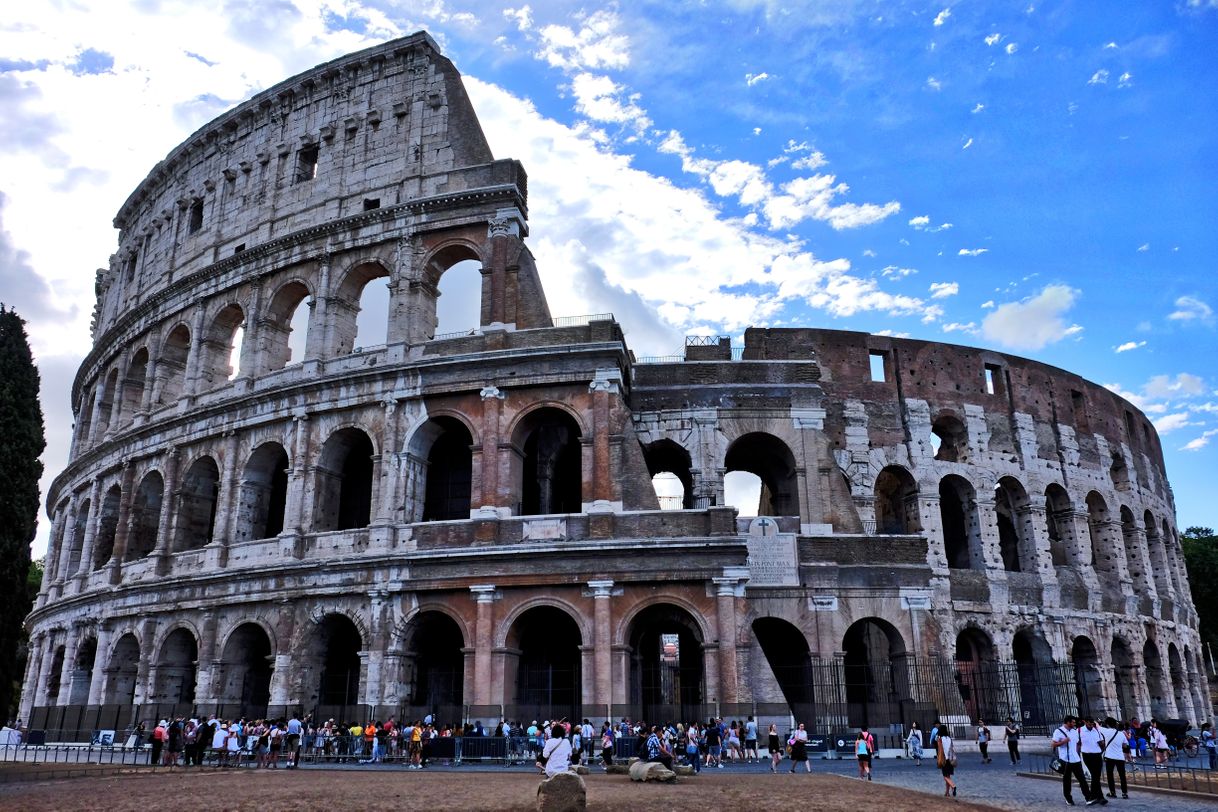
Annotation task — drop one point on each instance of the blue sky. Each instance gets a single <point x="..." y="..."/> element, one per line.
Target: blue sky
<point x="1035" y="177"/>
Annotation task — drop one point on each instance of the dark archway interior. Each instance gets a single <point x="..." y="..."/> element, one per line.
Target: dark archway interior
<point x="439" y="664"/>
<point x="145" y="517"/>
<point x="552" y="471"/>
<point x="1057" y="513"/>
<point x="667" y="670"/>
<point x="1034" y="664"/>
<point x="449" y="473"/>
<point x="1008" y="535"/>
<point x="667" y="456"/>
<point x="953" y="438"/>
<point x="122" y="671"/>
<point x="197" y="505"/>
<point x="952" y="509"/>
<point x="86" y="658"/>
<point x="896" y="506"/>
<point x="977" y="674"/>
<point x="107" y="527"/>
<point x="786" y="650"/>
<point x="264" y="492"/>
<point x="1087" y="676"/>
<point x="877" y="684"/>
<point x="248" y="668"/>
<point x="548" y="672"/>
<point x="1126" y="677"/>
<point x="769" y="459"/>
<point x="176" y="673"/>
<point x="54" y="678"/>
<point x="344" y="482"/>
<point x="1153" y="662"/>
<point x="340" y="643"/>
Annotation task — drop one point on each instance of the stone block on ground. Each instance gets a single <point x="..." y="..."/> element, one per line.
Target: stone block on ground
<point x="683" y="769"/>
<point x="618" y="769"/>
<point x="578" y="769"/>
<point x="650" y="771"/>
<point x="564" y="792"/>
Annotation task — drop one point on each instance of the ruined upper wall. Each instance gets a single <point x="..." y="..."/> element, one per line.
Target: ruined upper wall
<point x="375" y="128"/>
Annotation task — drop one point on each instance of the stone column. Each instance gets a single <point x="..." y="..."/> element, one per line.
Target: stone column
<point x="149" y="386"/>
<point x="86" y="548"/>
<point x="123" y="529"/>
<point x="503" y="232"/>
<point x="281" y="677"/>
<point x="729" y="587"/>
<point x="69" y="665"/>
<point x="97" y="684"/>
<point x="29" y="685"/>
<point x="386" y="498"/>
<point x="930" y="517"/>
<point x="492" y="406"/>
<point x="205" y="676"/>
<point x="116" y="397"/>
<point x="374" y="684"/>
<point x="604" y="389"/>
<point x="250" y="339"/>
<point x="190" y="385"/>
<point x="166" y="531"/>
<point x="485" y="596"/>
<point x="145" y="674"/>
<point x="67" y="542"/>
<point x="227" y="499"/>
<point x="294" y="519"/>
<point x="319" y="339"/>
<point x="602" y="640"/>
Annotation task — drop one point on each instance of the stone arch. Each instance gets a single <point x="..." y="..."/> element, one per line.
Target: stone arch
<point x="978" y="675"/>
<point x="789" y="657"/>
<point x="1059" y="513"/>
<point x="246" y="667"/>
<point x="349" y="301"/>
<point x="171" y="364"/>
<point x="622" y="628"/>
<point x="342" y="494"/>
<point x="433" y="643"/>
<point x="197" y="501"/>
<point x="1118" y="471"/>
<point x="463" y="258"/>
<point x="543" y="669"/>
<point x="105" y="407"/>
<point x="666" y="456"/>
<point x="1038" y="700"/>
<point x="82" y="671"/>
<point x="770" y="460"/>
<point x="1133" y="547"/>
<point x="1156" y="550"/>
<point x="875" y="674"/>
<point x="896" y="502"/>
<point x="667" y="662"/>
<point x="961" y="524"/>
<point x="107" y="527"/>
<point x="122" y="668"/>
<point x="333" y="666"/>
<point x="88" y="401"/>
<point x="219" y="361"/>
<point x="1179" y="680"/>
<point x="283" y="316"/>
<point x="439" y="483"/>
<point x="55" y="677"/>
<point x="263" y="496"/>
<point x="547" y="461"/>
<point x="1152" y="662"/>
<point x="1098" y="519"/>
<point x="80" y="523"/>
<point x="132" y="397"/>
<point x="145" y="518"/>
<point x="1126" y="677"/>
<point x="176" y="667"/>
<point x="1016" y="540"/>
<point x="949" y="438"/>
<point x="1088" y="676"/>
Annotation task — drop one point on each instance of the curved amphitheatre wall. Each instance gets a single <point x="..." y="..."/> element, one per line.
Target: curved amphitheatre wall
<point x="264" y="524"/>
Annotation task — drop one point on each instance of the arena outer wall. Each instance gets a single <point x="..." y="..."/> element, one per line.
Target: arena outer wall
<point x="467" y="524"/>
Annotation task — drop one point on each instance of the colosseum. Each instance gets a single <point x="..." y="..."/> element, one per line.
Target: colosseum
<point x="263" y="515"/>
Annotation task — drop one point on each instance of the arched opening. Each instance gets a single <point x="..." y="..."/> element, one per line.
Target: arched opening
<point x="1119" y="472"/>
<point x="133" y="384"/>
<point x="768" y="458"/>
<point x="55" y="677"/>
<point x="337" y="647"/>
<point x="344" y="482"/>
<point x="171" y="366"/>
<point x="876" y="674"/>
<point x="786" y="651"/>
<point x="1127" y="677"/>
<point x="197" y="505"/>
<point x="82" y="672"/>
<point x="1038" y="697"/>
<point x="547" y="676"/>
<point x="742" y="491"/>
<point x="961" y="530"/>
<point x="121" y="672"/>
<point x="1133" y="547"/>
<point x="361" y="309"/>
<point x="285" y="331"/>
<point x="1058" y="512"/>
<point x="449" y="474"/>
<point x="1088" y="678"/>
<point x="1152" y="660"/>
<point x="177" y="669"/>
<point x="459" y="296"/>
<point x="436" y="671"/>
<point x="107" y="527"/>
<point x="1102" y="557"/>
<point x="80" y="524"/>
<point x="1156" y="548"/>
<point x="952" y="436"/>
<point x="84" y="418"/>
<point x="145" y="516"/>
<point x="670" y="469"/>
<point x="264" y="493"/>
<point x="666" y="663"/>
<point x="247" y="663"/>
<point x="221" y="359"/>
<point x="977" y="675"/>
<point x="105" y="409"/>
<point x="896" y="502"/>
<point x="551" y="467"/>
<point x="1015" y="541"/>
<point x="1179" y="681"/>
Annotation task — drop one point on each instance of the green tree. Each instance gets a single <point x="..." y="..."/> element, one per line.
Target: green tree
<point x="21" y="441"/>
<point x="1200" y="547"/>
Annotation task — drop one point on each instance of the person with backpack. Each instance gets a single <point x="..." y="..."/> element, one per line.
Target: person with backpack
<point x="945" y="760"/>
<point x="1116" y="750"/>
<point x="983" y="741"/>
<point x="863" y="752"/>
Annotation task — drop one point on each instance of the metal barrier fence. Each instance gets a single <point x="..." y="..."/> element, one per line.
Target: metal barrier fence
<point x="1144" y="774"/>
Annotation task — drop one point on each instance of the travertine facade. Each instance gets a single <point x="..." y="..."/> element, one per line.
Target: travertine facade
<point x="470" y="522"/>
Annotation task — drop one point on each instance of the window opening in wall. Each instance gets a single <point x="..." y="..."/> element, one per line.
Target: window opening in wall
<point x="132" y="262"/>
<point x="459" y="299"/>
<point x="1080" y="409"/>
<point x="298" y="333"/>
<point x="239" y="248"/>
<point x="957" y="505"/>
<point x="196" y="216"/>
<point x="670" y="491"/>
<point x="372" y="322"/>
<point x="551" y="470"/>
<point x="234" y="355"/>
<point x="449" y="472"/>
<point x="668" y="465"/>
<point x="878" y="362"/>
<point x="306" y="163"/>
<point x="742" y="490"/>
<point x="952" y="436"/>
<point x="991" y="378"/>
<point x="1129" y="430"/>
<point x="371" y="203"/>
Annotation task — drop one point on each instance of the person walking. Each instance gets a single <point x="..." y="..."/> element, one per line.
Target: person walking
<point x="1116" y="751"/>
<point x="945" y="760"/>
<point x="862" y="751"/>
<point x="775" y="748"/>
<point x="799" y="748"/>
<point x="750" y="740"/>
<point x="1158" y="740"/>
<point x="1011" y="736"/>
<point x="914" y="743"/>
<point x="1210" y="744"/>
<point x="983" y="741"/>
<point x="1066" y="740"/>
<point x="1092" y="741"/>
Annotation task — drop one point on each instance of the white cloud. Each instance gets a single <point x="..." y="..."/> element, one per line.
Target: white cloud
<point x="941" y="290"/>
<point x="522" y="17"/>
<point x="1143" y="248"/>
<point x="1183" y="385"/>
<point x="601" y="99"/>
<point x="977" y="108"/>
<point x="893" y="272"/>
<point x="1011" y="48"/>
<point x="967" y="144"/>
<point x="987" y="305"/>
<point x="942" y="17"/>
<point x="933" y="83"/>
<point x="751" y="79"/>
<point x="1190" y="308"/>
<point x="813" y="160"/>
<point x="919" y="221"/>
<point x="993" y="39"/>
<point x="956" y="327"/>
<point x="1100" y="77"/>
<point x="1034" y="322"/>
<point x="1111" y="46"/>
<point x="867" y="252"/>
<point x="596" y="45"/>
<point x="1198" y="443"/>
<point x="972" y="252"/>
<point x="756" y="131"/>
<point x="1125" y="79"/>
<point x="1171" y="422"/>
<point x="922" y="223"/>
<point x="1128" y="345"/>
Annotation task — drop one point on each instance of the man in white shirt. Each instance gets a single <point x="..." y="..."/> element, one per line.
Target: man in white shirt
<point x="1066" y="740"/>
<point x="1091" y="744"/>
<point x="556" y="753"/>
<point x="1115" y="749"/>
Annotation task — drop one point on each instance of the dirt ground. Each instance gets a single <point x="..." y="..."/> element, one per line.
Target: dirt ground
<point x="219" y="791"/>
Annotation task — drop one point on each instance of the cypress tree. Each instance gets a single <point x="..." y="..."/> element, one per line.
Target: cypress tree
<point x="21" y="441"/>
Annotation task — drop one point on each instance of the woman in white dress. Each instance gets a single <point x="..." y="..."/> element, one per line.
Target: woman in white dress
<point x="914" y="742"/>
